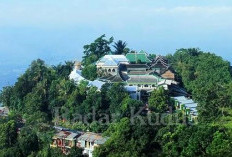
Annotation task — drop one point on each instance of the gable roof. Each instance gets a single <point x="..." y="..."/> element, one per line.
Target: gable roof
<point x="93" y="137"/>
<point x="148" y="72"/>
<point x="162" y="60"/>
<point x="112" y="60"/>
<point x="96" y="83"/>
<point x="68" y="135"/>
<point x="143" y="79"/>
<point x="76" y="76"/>
<point x="112" y="78"/>
<point x="135" y="57"/>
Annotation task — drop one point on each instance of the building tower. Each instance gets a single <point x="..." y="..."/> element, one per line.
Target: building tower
<point x="77" y="65"/>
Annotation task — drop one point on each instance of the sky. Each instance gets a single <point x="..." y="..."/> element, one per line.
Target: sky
<point x="56" y="30"/>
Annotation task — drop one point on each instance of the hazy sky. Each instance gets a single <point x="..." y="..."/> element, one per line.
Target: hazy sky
<point x="56" y="30"/>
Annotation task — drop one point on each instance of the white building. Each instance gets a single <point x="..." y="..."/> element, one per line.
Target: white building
<point x="143" y="82"/>
<point x="187" y="105"/>
<point x="77" y="77"/>
<point x="4" y="111"/>
<point x="89" y="141"/>
<point x="76" y="73"/>
<point x="109" y="64"/>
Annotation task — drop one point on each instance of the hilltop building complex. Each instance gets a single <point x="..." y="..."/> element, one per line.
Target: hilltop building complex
<point x="140" y="74"/>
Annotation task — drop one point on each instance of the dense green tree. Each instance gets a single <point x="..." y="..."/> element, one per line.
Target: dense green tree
<point x="11" y="152"/>
<point x="63" y="70"/>
<point x="105" y="101"/>
<point x="130" y="106"/>
<point x="206" y="76"/>
<point x="120" y="47"/>
<point x="96" y="50"/>
<point x="159" y="101"/>
<point x="37" y="72"/>
<point x="59" y="92"/>
<point x="50" y="152"/>
<point x="91" y="105"/>
<point x="8" y="134"/>
<point x="6" y="96"/>
<point x="130" y="140"/>
<point x="196" y="140"/>
<point x="213" y="101"/>
<point x="116" y="94"/>
<point x="41" y="88"/>
<point x="90" y="72"/>
<point x="28" y="142"/>
<point x="220" y="146"/>
<point x="76" y="152"/>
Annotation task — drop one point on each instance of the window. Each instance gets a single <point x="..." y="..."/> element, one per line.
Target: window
<point x="139" y="85"/>
<point x="59" y="142"/>
<point x="109" y="70"/>
<point x="113" y="70"/>
<point x="145" y="85"/>
<point x="87" y="144"/>
<point x="68" y="143"/>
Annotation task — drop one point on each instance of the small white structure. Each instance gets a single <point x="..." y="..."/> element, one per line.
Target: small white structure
<point x="96" y="83"/>
<point x="76" y="73"/>
<point x="143" y="82"/>
<point x="76" y="76"/>
<point x="89" y="141"/>
<point x="187" y="105"/>
<point x="165" y="83"/>
<point x="4" y="111"/>
<point x="109" y="64"/>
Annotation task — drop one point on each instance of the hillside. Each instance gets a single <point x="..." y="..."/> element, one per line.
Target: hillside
<point x="44" y="96"/>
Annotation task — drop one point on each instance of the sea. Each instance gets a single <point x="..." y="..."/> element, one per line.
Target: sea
<point x="11" y="71"/>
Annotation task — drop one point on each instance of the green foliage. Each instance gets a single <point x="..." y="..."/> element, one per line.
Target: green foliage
<point x="115" y="95"/>
<point x="42" y="88"/>
<point x="220" y="146"/>
<point x="28" y="142"/>
<point x="11" y="152"/>
<point x="213" y="101"/>
<point x="120" y="47"/>
<point x="76" y="152"/>
<point x="8" y="134"/>
<point x="206" y="76"/>
<point x="159" y="101"/>
<point x="91" y="104"/>
<point x="129" y="140"/>
<point x="48" y="152"/>
<point x="130" y="105"/>
<point x="197" y="140"/>
<point x="63" y="70"/>
<point x="5" y="96"/>
<point x="37" y="72"/>
<point x="96" y="50"/>
<point x="90" y="72"/>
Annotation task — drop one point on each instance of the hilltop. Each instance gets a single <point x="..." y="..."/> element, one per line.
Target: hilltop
<point x="45" y="96"/>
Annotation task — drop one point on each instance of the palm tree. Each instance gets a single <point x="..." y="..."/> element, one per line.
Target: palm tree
<point x="119" y="47"/>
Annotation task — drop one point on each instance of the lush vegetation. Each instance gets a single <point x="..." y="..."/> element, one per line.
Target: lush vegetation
<point x="43" y="92"/>
<point x="208" y="78"/>
<point x="97" y="49"/>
